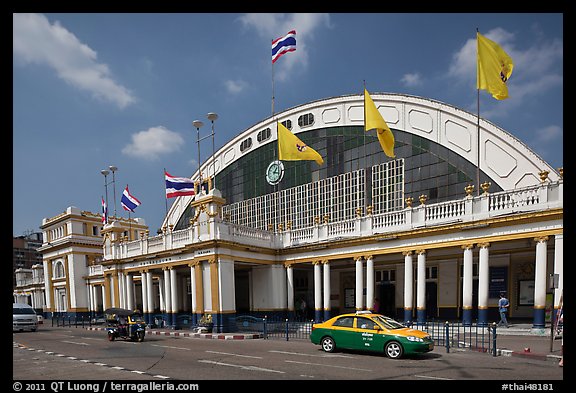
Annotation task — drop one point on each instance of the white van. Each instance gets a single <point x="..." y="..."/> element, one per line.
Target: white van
<point x="23" y="318"/>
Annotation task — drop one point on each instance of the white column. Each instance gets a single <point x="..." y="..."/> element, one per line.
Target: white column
<point x="290" y="287"/>
<point x="559" y="267"/>
<point x="467" y="277"/>
<point x="193" y="289"/>
<point x="540" y="273"/>
<point x="483" y="276"/>
<point x="121" y="290"/>
<point x="359" y="284"/>
<point x="317" y="287"/>
<point x="370" y="283"/>
<point x="408" y="285"/>
<point x="173" y="290"/>
<point x="144" y="282"/>
<point x="167" y="291"/>
<point x="421" y="282"/>
<point x="326" y="272"/>
<point x="105" y="301"/>
<point x="162" y="293"/>
<point x="129" y="292"/>
<point x="149" y="291"/>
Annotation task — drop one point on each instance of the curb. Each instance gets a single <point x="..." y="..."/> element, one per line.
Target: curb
<point x="216" y="336"/>
<point x="528" y="355"/>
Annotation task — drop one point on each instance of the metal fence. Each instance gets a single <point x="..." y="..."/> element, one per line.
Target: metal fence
<point x="275" y="328"/>
<point x="472" y="336"/>
<point x="445" y="334"/>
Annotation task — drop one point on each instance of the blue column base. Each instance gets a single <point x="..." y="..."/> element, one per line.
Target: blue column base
<point x="467" y="317"/>
<point x="539" y="318"/>
<point x="326" y="315"/>
<point x="421" y="317"/>
<point x="483" y="317"/>
<point x="408" y="317"/>
<point x="317" y="315"/>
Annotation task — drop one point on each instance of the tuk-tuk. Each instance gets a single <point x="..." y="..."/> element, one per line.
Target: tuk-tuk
<point x="126" y="324"/>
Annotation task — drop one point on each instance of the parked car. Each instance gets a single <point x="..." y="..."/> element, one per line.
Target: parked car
<point x="370" y="332"/>
<point x="24" y="318"/>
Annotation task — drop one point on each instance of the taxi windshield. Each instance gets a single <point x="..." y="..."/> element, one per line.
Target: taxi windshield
<point x="389" y="323"/>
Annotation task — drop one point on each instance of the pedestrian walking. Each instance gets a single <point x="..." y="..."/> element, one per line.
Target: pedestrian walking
<point x="503" y="305"/>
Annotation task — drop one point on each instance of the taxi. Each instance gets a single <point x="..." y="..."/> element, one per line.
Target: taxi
<point x="367" y="331"/>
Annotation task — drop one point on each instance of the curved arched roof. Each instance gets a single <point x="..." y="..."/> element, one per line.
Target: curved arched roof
<point x="503" y="157"/>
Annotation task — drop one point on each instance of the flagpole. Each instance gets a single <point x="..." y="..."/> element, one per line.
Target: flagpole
<point x="478" y="122"/>
<point x="276" y="186"/>
<point x="165" y="198"/>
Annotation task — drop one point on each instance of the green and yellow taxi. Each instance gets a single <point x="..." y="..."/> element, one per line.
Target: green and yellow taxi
<point x="364" y="330"/>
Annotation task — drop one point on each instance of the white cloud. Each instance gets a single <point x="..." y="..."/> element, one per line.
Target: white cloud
<point x="272" y="26"/>
<point x="151" y="143"/>
<point x="37" y="41"/>
<point x="410" y="80"/>
<point x="547" y="135"/>
<point x="236" y="86"/>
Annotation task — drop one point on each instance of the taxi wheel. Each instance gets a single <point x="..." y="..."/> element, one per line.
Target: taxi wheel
<point x="394" y="350"/>
<point x="328" y="344"/>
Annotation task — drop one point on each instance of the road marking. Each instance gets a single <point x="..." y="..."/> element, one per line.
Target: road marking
<point x="325" y="355"/>
<point x="327" y="365"/>
<point x="74" y="342"/>
<point x="424" y="376"/>
<point x="233" y="354"/>
<point x="251" y="368"/>
<point x="160" y="376"/>
<point x="168" y="346"/>
<point x="137" y="372"/>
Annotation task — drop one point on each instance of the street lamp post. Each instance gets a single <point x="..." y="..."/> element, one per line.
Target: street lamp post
<point x="113" y="169"/>
<point x="198" y="124"/>
<point x="105" y="172"/>
<point x="212" y="117"/>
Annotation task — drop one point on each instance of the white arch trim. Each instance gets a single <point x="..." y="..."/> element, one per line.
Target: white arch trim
<point x="503" y="157"/>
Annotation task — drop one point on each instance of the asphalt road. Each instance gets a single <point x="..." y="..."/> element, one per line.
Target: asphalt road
<point x="53" y="354"/>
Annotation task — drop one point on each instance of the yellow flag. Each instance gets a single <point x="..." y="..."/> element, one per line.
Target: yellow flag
<point x="374" y="120"/>
<point x="291" y="148"/>
<point x="494" y="68"/>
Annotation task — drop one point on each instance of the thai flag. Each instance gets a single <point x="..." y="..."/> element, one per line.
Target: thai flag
<point x="129" y="202"/>
<point x="104" y="212"/>
<point x="178" y="186"/>
<point x="283" y="45"/>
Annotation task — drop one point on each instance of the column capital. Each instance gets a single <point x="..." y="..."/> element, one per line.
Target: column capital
<point x="483" y="245"/>
<point x="420" y="252"/>
<point x="317" y="262"/>
<point x="194" y="264"/>
<point x="467" y="246"/>
<point x="368" y="257"/>
<point x="541" y="239"/>
<point x="358" y="258"/>
<point x="407" y="253"/>
<point x="288" y="265"/>
<point x="212" y="260"/>
<point x="325" y="261"/>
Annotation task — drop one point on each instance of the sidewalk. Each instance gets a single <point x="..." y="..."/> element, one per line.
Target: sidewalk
<point x="522" y="340"/>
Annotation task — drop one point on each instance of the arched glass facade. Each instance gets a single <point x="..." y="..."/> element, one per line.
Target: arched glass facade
<point x="429" y="168"/>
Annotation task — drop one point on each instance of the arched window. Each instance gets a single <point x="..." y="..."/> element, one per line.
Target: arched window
<point x="58" y="270"/>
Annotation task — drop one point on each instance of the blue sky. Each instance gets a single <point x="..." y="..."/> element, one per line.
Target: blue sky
<point x="92" y="90"/>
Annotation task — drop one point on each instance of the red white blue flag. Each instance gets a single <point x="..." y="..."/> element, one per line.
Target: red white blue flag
<point x="129" y="202"/>
<point x="178" y="186"/>
<point x="283" y="45"/>
<point x="104" y="212"/>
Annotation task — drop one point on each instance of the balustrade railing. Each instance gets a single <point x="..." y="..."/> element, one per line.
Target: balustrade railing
<point x="467" y="209"/>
